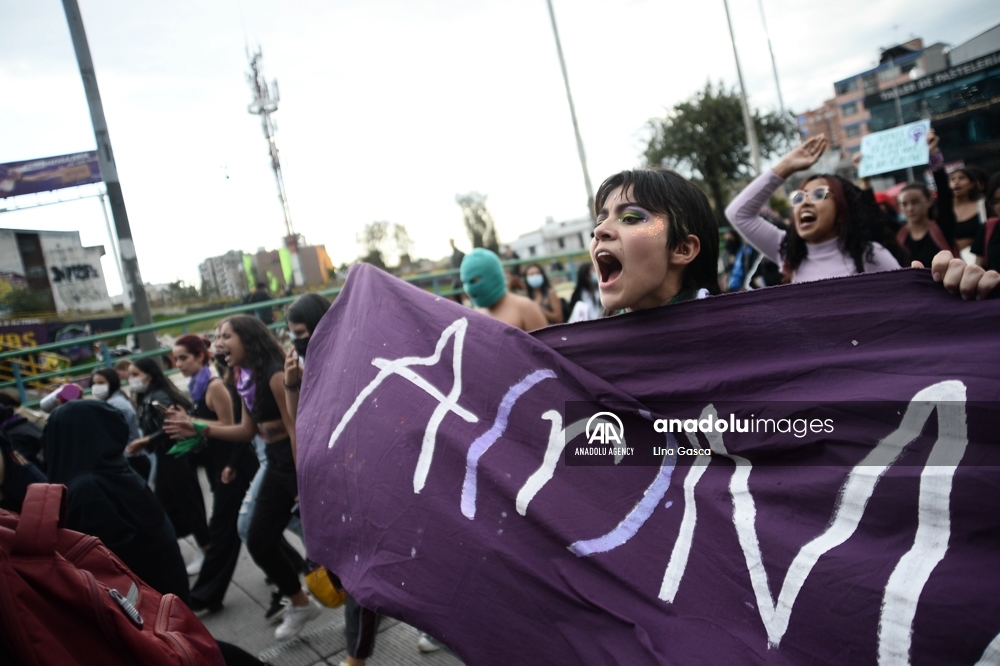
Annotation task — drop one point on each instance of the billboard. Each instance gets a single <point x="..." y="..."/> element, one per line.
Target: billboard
<point x="49" y="173"/>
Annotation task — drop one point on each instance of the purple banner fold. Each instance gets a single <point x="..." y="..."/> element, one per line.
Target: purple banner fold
<point x="432" y="478"/>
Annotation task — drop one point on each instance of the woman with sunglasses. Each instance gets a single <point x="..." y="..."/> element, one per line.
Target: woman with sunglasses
<point x="836" y="229"/>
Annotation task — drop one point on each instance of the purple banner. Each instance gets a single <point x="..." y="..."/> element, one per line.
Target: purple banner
<point x="49" y="173"/>
<point x="432" y="477"/>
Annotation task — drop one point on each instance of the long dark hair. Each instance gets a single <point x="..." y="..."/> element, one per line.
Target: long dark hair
<point x="545" y="282"/>
<point x="261" y="351"/>
<point x="158" y="380"/>
<point x="917" y="186"/>
<point x="307" y="310"/>
<point x="583" y="285"/>
<point x="114" y="381"/>
<point x="977" y="177"/>
<point x="663" y="191"/>
<point x="859" y="224"/>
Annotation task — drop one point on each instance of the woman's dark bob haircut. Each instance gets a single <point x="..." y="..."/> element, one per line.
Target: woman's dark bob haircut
<point x="307" y="310"/>
<point x="688" y="212"/>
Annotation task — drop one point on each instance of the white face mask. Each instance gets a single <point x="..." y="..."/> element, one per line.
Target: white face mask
<point x="535" y="281"/>
<point x="137" y="385"/>
<point x="100" y="391"/>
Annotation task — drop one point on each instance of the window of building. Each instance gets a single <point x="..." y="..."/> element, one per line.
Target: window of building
<point x="562" y="243"/>
<point x="852" y="131"/>
<point x="888" y="74"/>
<point x="849" y="109"/>
<point x="871" y="84"/>
<point x="847" y="86"/>
<point x="531" y="250"/>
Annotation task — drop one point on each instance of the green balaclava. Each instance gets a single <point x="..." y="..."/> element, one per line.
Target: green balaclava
<point x="492" y="283"/>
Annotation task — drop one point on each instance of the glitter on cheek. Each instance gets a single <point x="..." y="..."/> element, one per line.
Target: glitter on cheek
<point x="656" y="227"/>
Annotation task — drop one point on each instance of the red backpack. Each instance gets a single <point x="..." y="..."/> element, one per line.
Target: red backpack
<point x="66" y="599"/>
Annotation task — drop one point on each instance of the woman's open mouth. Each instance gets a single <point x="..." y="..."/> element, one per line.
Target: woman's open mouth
<point x="609" y="266"/>
<point x="806" y="219"/>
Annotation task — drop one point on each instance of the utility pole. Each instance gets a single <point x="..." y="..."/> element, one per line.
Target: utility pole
<point x="135" y="293"/>
<point x="572" y="113"/>
<point x="263" y="105"/>
<point x="899" y="104"/>
<point x="747" y="118"/>
<point x="774" y="64"/>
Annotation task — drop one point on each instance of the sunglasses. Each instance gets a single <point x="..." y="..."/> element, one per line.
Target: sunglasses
<point x="799" y="196"/>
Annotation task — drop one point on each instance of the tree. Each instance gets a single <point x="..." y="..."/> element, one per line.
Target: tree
<point x="478" y="221"/>
<point x="704" y="137"/>
<point x="382" y="242"/>
<point x="372" y="239"/>
<point x="178" y="292"/>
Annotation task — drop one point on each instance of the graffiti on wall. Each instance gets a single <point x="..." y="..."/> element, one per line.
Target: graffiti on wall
<point x="73" y="273"/>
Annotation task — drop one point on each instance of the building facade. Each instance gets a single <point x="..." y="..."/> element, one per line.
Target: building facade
<point x="962" y="103"/>
<point x="55" y="264"/>
<point x="845" y="118"/>
<point x="554" y="237"/>
<point x="225" y="275"/>
<point x="234" y="275"/>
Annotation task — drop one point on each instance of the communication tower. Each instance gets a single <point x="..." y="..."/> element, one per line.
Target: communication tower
<point x="265" y="103"/>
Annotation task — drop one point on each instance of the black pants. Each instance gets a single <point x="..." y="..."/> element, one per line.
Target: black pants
<point x="223" y="539"/>
<point x="179" y="492"/>
<point x="360" y="629"/>
<point x="275" y="500"/>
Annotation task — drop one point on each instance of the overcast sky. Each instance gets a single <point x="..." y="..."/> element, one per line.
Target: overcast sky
<point x="389" y="108"/>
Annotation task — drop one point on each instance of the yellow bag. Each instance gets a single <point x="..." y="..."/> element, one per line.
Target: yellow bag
<point x="321" y="586"/>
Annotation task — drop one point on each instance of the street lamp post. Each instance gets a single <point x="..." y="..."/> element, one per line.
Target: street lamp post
<point x="109" y="174"/>
<point x="572" y="113"/>
<point x="747" y="118"/>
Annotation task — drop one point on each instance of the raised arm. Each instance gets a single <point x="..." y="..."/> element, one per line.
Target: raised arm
<point x="742" y="212"/>
<point x="293" y="382"/>
<point x="945" y="217"/>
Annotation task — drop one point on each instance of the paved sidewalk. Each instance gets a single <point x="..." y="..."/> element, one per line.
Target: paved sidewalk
<point x="241" y="622"/>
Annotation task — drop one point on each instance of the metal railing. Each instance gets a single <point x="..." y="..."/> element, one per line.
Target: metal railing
<point x="438" y="282"/>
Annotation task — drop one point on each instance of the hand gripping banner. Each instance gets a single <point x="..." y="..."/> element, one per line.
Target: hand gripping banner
<point x="803" y="474"/>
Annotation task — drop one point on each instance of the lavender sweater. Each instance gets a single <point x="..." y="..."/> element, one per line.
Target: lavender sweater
<point x="825" y="260"/>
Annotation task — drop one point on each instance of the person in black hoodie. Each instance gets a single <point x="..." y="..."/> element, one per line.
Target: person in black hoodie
<point x="25" y="437"/>
<point x="16" y="474"/>
<point x="105" y="498"/>
<point x="176" y="483"/>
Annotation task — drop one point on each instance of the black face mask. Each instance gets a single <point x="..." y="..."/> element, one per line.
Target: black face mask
<point x="220" y="359"/>
<point x="300" y="345"/>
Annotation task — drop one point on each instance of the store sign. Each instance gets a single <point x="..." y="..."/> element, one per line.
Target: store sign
<point x="946" y="76"/>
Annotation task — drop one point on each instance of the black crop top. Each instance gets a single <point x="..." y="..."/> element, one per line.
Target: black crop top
<point x="265" y="407"/>
<point x="968" y="228"/>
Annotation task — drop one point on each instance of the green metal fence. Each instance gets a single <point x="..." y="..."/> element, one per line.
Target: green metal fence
<point x="440" y="283"/>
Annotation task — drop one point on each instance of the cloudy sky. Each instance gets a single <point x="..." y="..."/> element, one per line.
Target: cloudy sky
<point x="389" y="108"/>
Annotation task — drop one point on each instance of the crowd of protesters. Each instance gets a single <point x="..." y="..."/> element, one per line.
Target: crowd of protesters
<point x="656" y="242"/>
